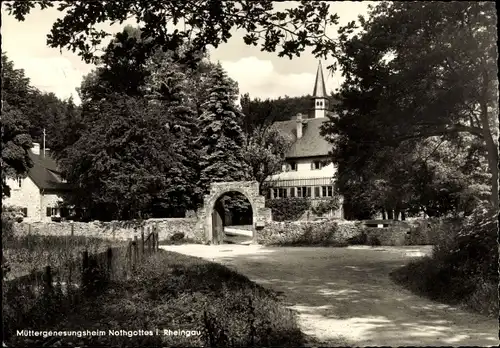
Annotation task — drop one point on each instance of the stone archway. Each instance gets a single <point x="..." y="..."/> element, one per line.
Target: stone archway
<point x="250" y="189"/>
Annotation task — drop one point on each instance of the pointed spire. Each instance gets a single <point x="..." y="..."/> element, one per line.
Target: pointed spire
<point x="319" y="84"/>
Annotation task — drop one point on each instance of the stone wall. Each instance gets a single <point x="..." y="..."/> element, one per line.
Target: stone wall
<point x="121" y="230"/>
<point x="331" y="232"/>
<point x="394" y="235"/>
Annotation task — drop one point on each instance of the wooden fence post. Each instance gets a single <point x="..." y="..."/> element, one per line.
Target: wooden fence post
<point x="136" y="251"/>
<point x="48" y="280"/>
<point x="153" y="237"/>
<point x="142" y="242"/>
<point x="129" y="257"/>
<point x="109" y="261"/>
<point x="148" y="230"/>
<point x="85" y="271"/>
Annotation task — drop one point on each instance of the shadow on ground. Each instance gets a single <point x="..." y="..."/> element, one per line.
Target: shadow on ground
<point x="346" y="295"/>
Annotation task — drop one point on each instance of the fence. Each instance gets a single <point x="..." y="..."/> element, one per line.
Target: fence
<point x="136" y="250"/>
<point x="44" y="295"/>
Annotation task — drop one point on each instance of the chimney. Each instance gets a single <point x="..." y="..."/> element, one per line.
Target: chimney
<point x="36" y="148"/>
<point x="299" y="126"/>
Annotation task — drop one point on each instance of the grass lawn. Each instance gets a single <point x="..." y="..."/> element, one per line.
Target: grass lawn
<point x="216" y="306"/>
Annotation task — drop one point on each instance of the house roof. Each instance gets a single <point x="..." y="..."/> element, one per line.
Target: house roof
<point x="311" y="144"/>
<point x="45" y="173"/>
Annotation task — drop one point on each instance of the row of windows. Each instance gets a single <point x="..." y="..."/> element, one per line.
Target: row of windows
<point x="63" y="212"/>
<point x="302" y="191"/>
<point x="315" y="165"/>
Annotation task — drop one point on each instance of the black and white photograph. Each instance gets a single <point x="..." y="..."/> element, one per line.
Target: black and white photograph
<point x="249" y="173"/>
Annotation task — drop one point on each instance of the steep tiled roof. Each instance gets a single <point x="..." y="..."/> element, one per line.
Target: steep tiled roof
<point x="311" y="143"/>
<point x="45" y="172"/>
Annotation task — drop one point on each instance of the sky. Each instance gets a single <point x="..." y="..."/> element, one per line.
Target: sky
<point x="261" y="74"/>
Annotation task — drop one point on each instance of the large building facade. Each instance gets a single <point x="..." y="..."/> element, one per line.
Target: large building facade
<point x="308" y="171"/>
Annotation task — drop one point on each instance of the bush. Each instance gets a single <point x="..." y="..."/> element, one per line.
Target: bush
<point x="428" y="231"/>
<point x="463" y="268"/>
<point x="327" y="205"/>
<point x="288" y="209"/>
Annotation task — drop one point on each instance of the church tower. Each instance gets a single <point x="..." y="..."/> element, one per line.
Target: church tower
<point x="320" y="97"/>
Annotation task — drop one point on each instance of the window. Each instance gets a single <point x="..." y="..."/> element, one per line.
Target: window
<point x="19" y="182"/>
<point x="25" y="212"/>
<point x="292" y="191"/>
<point x="316" y="191"/>
<point x="283" y="192"/>
<point x="293" y="166"/>
<point x="316" y="165"/>
<point x="299" y="191"/>
<point x="52" y="211"/>
<point x="275" y="193"/>
<point x="308" y="192"/>
<point x="327" y="191"/>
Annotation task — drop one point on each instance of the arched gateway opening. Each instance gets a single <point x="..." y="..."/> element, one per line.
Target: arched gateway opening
<point x="211" y="215"/>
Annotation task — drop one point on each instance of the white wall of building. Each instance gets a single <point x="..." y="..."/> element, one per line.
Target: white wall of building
<point x="304" y="170"/>
<point x="27" y="196"/>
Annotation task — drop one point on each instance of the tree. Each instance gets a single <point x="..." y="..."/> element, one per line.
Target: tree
<point x="118" y="164"/>
<point x="221" y="138"/>
<point x="16" y="143"/>
<point x="168" y="86"/>
<point x="264" y="154"/>
<point x="262" y="113"/>
<point x="199" y="22"/>
<point x="417" y="70"/>
<point x="16" y="140"/>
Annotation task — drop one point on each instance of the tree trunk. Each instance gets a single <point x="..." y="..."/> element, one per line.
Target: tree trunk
<point x="384" y="215"/>
<point x="390" y="214"/>
<point x="492" y="155"/>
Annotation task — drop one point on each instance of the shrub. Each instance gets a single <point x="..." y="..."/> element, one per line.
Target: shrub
<point x="428" y="231"/>
<point x="288" y="209"/>
<point x="463" y="268"/>
<point x="327" y="205"/>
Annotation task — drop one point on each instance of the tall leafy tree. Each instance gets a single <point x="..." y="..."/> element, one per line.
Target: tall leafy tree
<point x="417" y="70"/>
<point x="264" y="154"/>
<point x="16" y="143"/>
<point x="221" y="137"/>
<point x="202" y="22"/>
<point x="118" y="164"/>
<point x="16" y="140"/>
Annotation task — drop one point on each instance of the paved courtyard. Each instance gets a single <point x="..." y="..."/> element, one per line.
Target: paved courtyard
<point x="345" y="294"/>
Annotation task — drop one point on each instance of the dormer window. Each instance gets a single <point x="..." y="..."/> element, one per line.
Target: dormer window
<point x="316" y="165"/>
<point x="293" y="166"/>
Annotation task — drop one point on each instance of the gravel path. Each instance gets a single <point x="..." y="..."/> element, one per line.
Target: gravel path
<point x="346" y="295"/>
